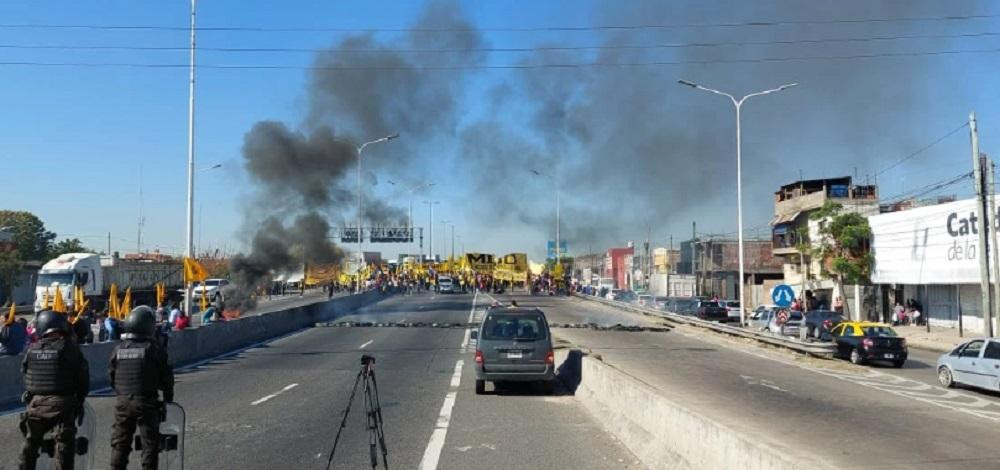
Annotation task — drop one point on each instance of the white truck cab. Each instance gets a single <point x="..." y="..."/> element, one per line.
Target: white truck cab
<point x="67" y="271"/>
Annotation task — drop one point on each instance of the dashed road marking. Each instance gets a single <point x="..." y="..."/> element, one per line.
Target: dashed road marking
<point x="366" y="344"/>
<point x="432" y="454"/>
<point x="279" y="392"/>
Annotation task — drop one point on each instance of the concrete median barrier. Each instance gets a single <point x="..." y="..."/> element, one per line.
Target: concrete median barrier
<point x="190" y="346"/>
<point x="664" y="434"/>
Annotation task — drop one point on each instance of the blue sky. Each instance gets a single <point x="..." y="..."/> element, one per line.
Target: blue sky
<point x="74" y="139"/>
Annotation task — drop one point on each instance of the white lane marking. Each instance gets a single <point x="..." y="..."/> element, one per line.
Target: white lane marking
<point x="468" y="331"/>
<point x="279" y="392"/>
<point x="432" y="454"/>
<point x="896" y="385"/>
<point x="366" y="344"/>
<point x="762" y="382"/>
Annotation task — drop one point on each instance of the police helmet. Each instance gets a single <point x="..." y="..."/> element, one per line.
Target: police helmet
<point x="49" y="321"/>
<point x="141" y="322"/>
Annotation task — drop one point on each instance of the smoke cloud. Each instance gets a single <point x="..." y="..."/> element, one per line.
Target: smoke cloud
<point x="301" y="177"/>
<point x="628" y="148"/>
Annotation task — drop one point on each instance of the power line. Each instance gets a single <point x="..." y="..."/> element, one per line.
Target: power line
<point x="504" y="49"/>
<point x="927" y="189"/>
<point x="616" y="27"/>
<point x="503" y="66"/>
<point x="922" y="149"/>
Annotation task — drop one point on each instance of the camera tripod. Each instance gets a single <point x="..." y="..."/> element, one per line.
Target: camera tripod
<point x="373" y="414"/>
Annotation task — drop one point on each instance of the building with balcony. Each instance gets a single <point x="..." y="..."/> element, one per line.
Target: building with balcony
<point x="793" y="227"/>
<point x="715" y="264"/>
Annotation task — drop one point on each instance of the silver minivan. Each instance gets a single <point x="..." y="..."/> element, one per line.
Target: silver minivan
<point x="514" y="345"/>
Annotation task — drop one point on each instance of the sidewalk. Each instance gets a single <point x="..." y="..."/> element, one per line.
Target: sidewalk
<point x="939" y="339"/>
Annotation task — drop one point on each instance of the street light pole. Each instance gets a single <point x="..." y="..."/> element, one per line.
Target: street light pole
<point x="738" y="104"/>
<point x="444" y="239"/>
<point x="430" y="228"/>
<point x="361" y="148"/>
<point x="556" y="183"/>
<point x="189" y="249"/>
<point x="409" y="214"/>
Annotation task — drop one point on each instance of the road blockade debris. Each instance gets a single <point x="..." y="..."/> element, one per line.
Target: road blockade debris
<point x="465" y="325"/>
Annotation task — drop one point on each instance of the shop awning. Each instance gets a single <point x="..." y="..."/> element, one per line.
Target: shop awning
<point x="784" y="219"/>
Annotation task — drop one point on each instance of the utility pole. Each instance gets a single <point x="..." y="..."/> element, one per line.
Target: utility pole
<point x="670" y="265"/>
<point x="189" y="245"/>
<point x="990" y="220"/>
<point x="984" y="268"/>
<point x="694" y="272"/>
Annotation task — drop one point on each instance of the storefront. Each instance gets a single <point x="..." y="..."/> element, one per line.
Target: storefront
<point x="929" y="254"/>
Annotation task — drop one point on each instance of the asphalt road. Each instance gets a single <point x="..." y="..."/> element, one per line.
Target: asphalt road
<point x="829" y="411"/>
<point x="279" y="405"/>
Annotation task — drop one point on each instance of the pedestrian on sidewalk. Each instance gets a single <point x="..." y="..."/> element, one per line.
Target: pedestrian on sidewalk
<point x="838" y="305"/>
<point x="897" y="313"/>
<point x="13" y="338"/>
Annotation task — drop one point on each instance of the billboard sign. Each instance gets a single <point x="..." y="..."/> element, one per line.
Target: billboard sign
<point x="927" y="245"/>
<point x="550" y="249"/>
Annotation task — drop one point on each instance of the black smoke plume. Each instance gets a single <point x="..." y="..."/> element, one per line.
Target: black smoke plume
<point x="303" y="178"/>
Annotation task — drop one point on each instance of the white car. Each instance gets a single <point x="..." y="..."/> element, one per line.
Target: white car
<point x="446" y="285"/>
<point x="211" y="287"/>
<point x="733" y="307"/>
<point x="975" y="363"/>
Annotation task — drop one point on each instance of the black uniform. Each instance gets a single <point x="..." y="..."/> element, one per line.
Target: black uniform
<point x="57" y="378"/>
<point x="138" y="371"/>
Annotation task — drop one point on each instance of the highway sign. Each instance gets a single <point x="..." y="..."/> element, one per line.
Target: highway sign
<point x="782" y="295"/>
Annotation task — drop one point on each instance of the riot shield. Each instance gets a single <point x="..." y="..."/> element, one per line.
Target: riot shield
<point x="172" y="438"/>
<point x="86" y="430"/>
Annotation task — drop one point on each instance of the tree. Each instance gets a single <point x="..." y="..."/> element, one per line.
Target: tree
<point x="843" y="245"/>
<point x="10" y="268"/>
<point x="69" y="245"/>
<point x="31" y="240"/>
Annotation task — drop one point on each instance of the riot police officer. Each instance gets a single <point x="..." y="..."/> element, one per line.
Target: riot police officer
<point x="56" y="380"/>
<point x="138" y="372"/>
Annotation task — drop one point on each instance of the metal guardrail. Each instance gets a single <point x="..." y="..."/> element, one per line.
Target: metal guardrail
<point x="818" y="349"/>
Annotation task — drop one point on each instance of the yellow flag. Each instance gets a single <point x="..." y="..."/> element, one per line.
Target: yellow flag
<point x="58" y="304"/>
<point x="194" y="271"/>
<point x="45" y="300"/>
<point x="126" y="305"/>
<point x="204" y="300"/>
<point x="161" y="294"/>
<point x="10" y="316"/>
<point x="113" y="310"/>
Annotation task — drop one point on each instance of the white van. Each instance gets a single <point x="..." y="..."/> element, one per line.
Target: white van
<point x="446" y="285"/>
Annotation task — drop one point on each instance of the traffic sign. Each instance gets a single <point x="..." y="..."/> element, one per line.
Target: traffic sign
<point x="782" y="295"/>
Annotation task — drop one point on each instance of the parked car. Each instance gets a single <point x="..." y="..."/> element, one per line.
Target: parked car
<point x="514" y="345"/>
<point x="711" y="310"/>
<point x="644" y="300"/>
<point x="211" y="287"/>
<point x="761" y="317"/>
<point x="974" y="363"/>
<point x="863" y="342"/>
<point x="613" y="294"/>
<point x="660" y="302"/>
<point x="819" y="323"/>
<point x="682" y="306"/>
<point x="626" y="296"/>
<point x="733" y="307"/>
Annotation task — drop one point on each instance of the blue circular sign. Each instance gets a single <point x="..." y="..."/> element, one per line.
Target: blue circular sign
<point x="782" y="295"/>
